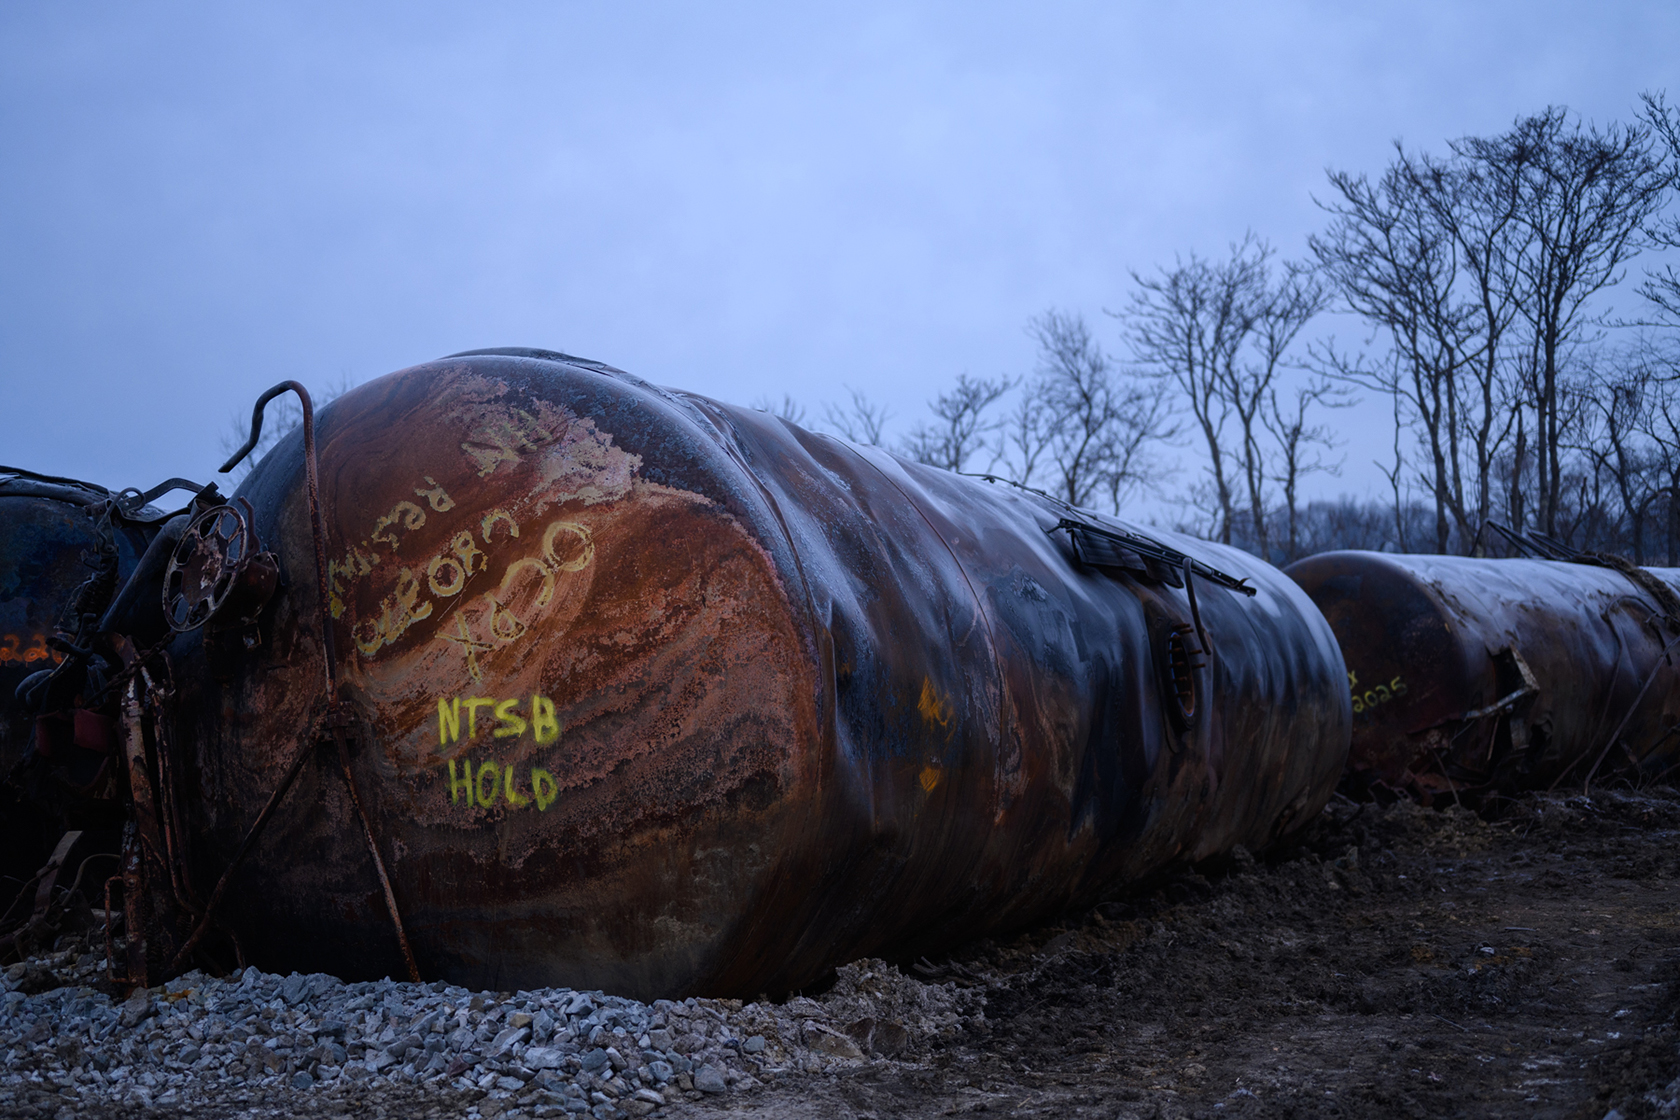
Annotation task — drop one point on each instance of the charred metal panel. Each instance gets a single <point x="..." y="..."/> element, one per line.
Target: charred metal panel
<point x="1475" y="675"/>
<point x="56" y="754"/>
<point x="657" y="695"/>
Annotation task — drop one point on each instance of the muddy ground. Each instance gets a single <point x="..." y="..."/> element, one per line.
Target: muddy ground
<point x="1391" y="962"/>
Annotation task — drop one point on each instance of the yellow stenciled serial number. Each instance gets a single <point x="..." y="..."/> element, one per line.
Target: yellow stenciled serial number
<point x="1371" y="697"/>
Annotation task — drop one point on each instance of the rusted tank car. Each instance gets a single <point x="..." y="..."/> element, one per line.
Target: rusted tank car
<point x="648" y="693"/>
<point x="65" y="547"/>
<point x="1472" y="676"/>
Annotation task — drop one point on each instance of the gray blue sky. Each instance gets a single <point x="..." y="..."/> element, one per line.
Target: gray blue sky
<point x="199" y="200"/>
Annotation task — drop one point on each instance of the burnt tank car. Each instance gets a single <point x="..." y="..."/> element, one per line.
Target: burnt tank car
<point x="648" y="693"/>
<point x="65" y="548"/>
<point x="1477" y="676"/>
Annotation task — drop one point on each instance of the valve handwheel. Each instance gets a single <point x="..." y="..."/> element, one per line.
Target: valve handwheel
<point x="206" y="566"/>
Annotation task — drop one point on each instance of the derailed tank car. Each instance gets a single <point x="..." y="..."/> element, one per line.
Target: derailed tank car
<point x="1475" y="676"/>
<point x="648" y="693"/>
<point x="65" y="548"/>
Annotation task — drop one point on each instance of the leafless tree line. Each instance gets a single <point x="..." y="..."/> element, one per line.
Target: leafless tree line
<point x="1480" y="283"/>
<point x="1208" y="355"/>
<point x="1484" y="276"/>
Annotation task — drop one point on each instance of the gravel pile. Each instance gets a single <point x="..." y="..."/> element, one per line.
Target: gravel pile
<point x="260" y="1038"/>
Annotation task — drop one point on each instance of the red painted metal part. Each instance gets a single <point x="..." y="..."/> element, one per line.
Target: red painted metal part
<point x="1475" y="675"/>
<point x="662" y="696"/>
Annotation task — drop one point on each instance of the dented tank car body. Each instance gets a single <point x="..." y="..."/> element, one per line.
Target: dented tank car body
<point x="1472" y="676"/>
<point x="656" y="695"/>
<point x="65" y="548"/>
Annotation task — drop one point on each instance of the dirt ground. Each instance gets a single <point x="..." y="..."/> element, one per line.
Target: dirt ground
<point x="1394" y="961"/>
<point x="1390" y="961"/>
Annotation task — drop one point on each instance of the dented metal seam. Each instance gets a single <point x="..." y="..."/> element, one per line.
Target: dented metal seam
<point x="979" y="605"/>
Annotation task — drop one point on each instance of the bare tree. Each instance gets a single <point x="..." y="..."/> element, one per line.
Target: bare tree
<point x="1222" y="334"/>
<point x="1584" y="196"/>
<point x="960" y="428"/>
<point x="787" y="408"/>
<point x="863" y="421"/>
<point x="1482" y="272"/>
<point x="1186" y="324"/>
<point x="1479" y="213"/>
<point x="1082" y="417"/>
<point x="1393" y="254"/>
<point x="1250" y="384"/>
<point x="1662" y="287"/>
<point x="1661" y="425"/>
<point x="1025" y="437"/>
<point x="1350" y="523"/>
<point x="1295" y="438"/>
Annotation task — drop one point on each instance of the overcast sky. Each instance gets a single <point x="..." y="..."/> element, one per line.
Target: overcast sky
<point x="197" y="201"/>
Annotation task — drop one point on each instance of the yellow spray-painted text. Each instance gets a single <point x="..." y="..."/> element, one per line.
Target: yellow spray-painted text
<point x="539" y="719"/>
<point x="482" y="785"/>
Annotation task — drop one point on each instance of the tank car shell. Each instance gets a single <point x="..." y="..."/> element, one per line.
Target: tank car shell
<point x="1470" y="675"/>
<point x="664" y="697"/>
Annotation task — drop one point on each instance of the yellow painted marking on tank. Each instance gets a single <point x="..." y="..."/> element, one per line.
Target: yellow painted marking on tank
<point x="435" y="496"/>
<point x="405" y="515"/>
<point x="489" y="523"/>
<point x="586" y="552"/>
<point x="467" y="785"/>
<point x="542" y="724"/>
<point x="470" y="646"/>
<point x="566" y="546"/>
<point x="935" y="709"/>
<point x="503" y="439"/>
<point x="1374" y="697"/>
<point x="539" y="779"/>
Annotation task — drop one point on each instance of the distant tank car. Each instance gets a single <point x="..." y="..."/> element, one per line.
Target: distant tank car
<point x="1471" y="677"/>
<point x="65" y="548"/>
<point x="640" y="691"/>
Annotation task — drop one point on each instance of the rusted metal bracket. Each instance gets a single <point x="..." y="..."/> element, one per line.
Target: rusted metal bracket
<point x="239" y="854"/>
<point x="373" y="850"/>
<point x="1196" y="610"/>
<point x="337" y="724"/>
<point x="151" y="905"/>
<point x="1615" y="735"/>
<point x="316" y="527"/>
<point x="1100" y="546"/>
<point x="47" y="883"/>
